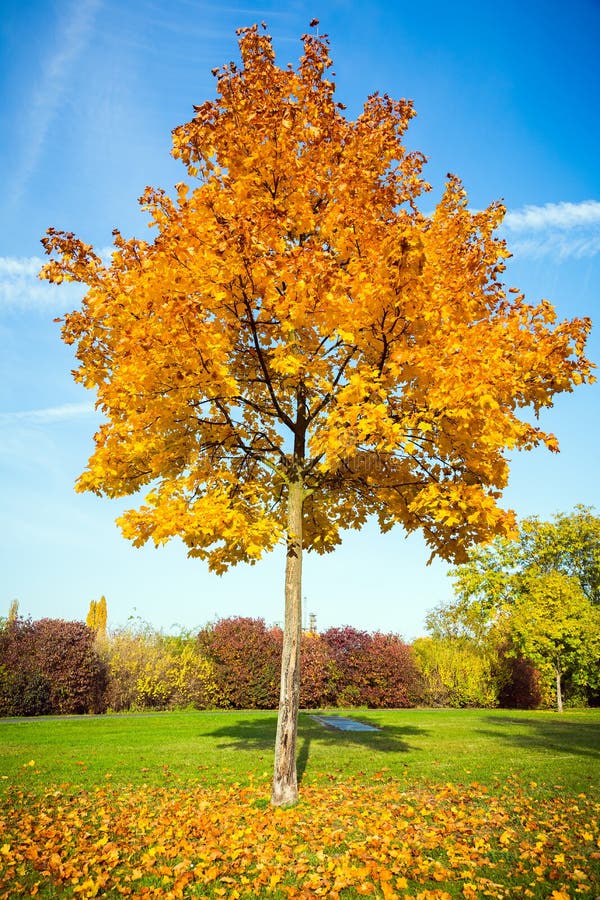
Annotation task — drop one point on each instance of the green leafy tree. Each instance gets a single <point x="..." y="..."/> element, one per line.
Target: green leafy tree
<point x="497" y="589"/>
<point x="569" y="544"/>
<point x="554" y="624"/>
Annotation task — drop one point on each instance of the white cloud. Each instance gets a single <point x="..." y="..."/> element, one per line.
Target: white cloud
<point x="564" y="216"/>
<point x="11" y="266"/>
<point x="48" y="415"/>
<point x="562" y="230"/>
<point x="21" y="288"/>
<point x="560" y="246"/>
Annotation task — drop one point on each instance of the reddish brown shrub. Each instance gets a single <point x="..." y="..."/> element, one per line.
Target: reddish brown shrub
<point x="318" y="673"/>
<point x="246" y="656"/>
<point x="58" y="659"/>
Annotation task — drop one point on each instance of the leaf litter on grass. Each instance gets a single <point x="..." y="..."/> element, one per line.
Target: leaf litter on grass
<point x="344" y="839"/>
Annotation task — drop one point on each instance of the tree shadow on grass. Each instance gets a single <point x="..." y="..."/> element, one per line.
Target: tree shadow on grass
<point x="569" y="737"/>
<point x="258" y="733"/>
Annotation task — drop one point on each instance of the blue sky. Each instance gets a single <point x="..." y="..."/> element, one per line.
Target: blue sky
<point x="507" y="97"/>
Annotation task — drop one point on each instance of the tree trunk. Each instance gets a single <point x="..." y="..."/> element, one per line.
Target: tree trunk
<point x="559" y="702"/>
<point x="285" y="779"/>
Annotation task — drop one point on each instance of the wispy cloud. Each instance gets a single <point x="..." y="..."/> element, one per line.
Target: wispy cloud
<point x="561" y="230"/>
<point x="554" y="215"/>
<point x="70" y="42"/>
<point x="20" y="288"/>
<point x="48" y="415"/>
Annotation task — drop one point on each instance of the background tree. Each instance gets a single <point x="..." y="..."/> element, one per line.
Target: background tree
<point x="554" y="624"/>
<point x="555" y="565"/>
<point x="150" y="670"/>
<point x="520" y="684"/>
<point x="350" y="650"/>
<point x="96" y="617"/>
<point x="319" y="676"/>
<point x="13" y="611"/>
<point x="390" y="677"/>
<point x="24" y="689"/>
<point x="568" y="544"/>
<point x="300" y="347"/>
<point x="375" y="670"/>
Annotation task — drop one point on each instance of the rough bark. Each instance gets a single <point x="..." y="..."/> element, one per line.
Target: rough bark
<point x="285" y="779"/>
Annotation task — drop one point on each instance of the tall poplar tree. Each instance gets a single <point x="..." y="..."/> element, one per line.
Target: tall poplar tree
<point x="96" y="617"/>
<point x="300" y="347"/>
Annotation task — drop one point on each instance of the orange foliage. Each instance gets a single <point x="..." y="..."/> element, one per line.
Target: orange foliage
<point x="386" y="840"/>
<point x="297" y="319"/>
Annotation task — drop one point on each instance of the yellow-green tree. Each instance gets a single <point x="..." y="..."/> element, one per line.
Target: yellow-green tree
<point x="536" y="595"/>
<point x="456" y="671"/>
<point x="553" y="623"/>
<point x="569" y="543"/>
<point x="300" y="347"/>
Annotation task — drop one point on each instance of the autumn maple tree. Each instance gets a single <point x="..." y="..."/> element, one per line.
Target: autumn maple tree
<point x="300" y="347"/>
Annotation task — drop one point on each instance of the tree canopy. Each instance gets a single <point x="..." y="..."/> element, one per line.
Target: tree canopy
<point x="297" y="316"/>
<point x="553" y="624"/>
<point x="300" y="346"/>
<point x="568" y="544"/>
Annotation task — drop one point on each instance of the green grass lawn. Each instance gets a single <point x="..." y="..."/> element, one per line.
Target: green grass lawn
<point x="437" y="804"/>
<point x="220" y="748"/>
